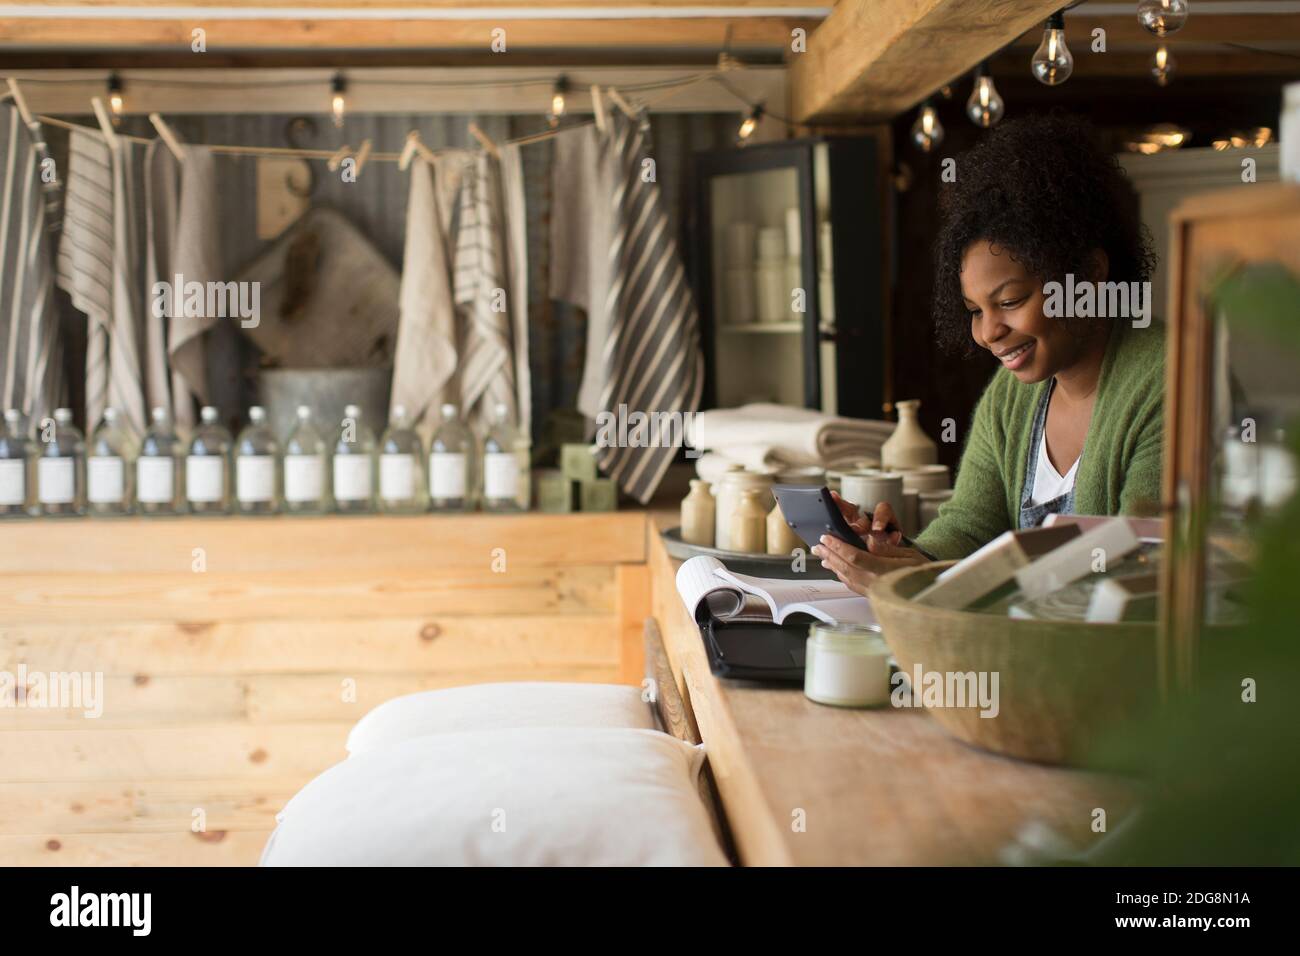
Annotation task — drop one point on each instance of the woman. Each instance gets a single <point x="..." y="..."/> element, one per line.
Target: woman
<point x="1072" y="421"/>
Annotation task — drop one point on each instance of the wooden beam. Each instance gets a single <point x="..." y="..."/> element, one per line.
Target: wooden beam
<point x="713" y="33"/>
<point x="872" y="59"/>
<point x="1125" y="32"/>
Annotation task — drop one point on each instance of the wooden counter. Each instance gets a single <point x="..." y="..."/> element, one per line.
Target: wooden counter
<point x="237" y="652"/>
<point x="806" y="784"/>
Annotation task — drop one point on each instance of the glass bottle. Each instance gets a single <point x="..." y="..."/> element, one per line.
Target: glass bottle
<point x="401" y="466"/>
<point x="503" y="476"/>
<point x="157" y="469"/>
<point x="109" y="488"/>
<point x="451" y="454"/>
<point x="60" y="471"/>
<point x="305" y="455"/>
<point x="256" y="466"/>
<point x="15" y="467"/>
<point x="354" y="464"/>
<point x="207" y="466"/>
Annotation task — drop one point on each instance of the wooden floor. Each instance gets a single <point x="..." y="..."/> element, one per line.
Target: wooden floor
<point x="227" y="687"/>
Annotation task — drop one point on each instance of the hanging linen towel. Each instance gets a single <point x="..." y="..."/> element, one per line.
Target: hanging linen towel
<point x="196" y="256"/>
<point x="29" y="359"/>
<point x="582" y="206"/>
<point x="516" y="222"/>
<point x="653" y="363"/>
<point x="425" y="360"/>
<point x="161" y="197"/>
<point x="487" y="374"/>
<point x="96" y="259"/>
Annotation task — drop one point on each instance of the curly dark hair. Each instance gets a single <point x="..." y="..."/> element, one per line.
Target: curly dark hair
<point x="1043" y="188"/>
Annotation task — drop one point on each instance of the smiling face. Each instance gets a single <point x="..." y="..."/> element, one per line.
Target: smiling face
<point x="1006" y="315"/>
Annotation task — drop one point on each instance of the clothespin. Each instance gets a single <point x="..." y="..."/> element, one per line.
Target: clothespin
<point x="21" y="102"/>
<point x="622" y="104"/>
<point x="484" y="140"/>
<point x="168" y="136"/>
<point x="335" y="161"/>
<point x="598" y="107"/>
<point x="409" y="149"/>
<point x="362" y="155"/>
<point x="105" y="122"/>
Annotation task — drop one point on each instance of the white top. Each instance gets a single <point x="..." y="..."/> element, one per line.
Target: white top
<point x="1048" y="484"/>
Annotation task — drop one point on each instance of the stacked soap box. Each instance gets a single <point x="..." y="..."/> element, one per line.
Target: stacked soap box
<point x="575" y="486"/>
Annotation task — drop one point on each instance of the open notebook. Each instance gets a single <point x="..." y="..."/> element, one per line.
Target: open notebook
<point x="728" y="596"/>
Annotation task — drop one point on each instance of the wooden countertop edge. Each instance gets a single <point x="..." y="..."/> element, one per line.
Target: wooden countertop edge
<point x="754" y="828"/>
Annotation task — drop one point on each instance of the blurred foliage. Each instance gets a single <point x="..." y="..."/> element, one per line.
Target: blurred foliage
<point x="1222" y="776"/>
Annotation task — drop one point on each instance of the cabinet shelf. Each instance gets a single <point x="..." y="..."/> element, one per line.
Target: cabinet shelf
<point x="763" y="328"/>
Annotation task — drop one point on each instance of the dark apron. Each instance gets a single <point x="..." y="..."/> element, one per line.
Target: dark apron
<point x="1031" y="516"/>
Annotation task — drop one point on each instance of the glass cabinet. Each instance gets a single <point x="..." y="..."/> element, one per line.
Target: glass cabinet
<point x="788" y="262"/>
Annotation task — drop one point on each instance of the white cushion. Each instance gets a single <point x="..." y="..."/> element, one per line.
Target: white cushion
<point x="501" y="707"/>
<point x="528" y="797"/>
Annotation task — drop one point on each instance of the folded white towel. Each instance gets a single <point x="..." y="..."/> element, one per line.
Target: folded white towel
<point x="764" y="434"/>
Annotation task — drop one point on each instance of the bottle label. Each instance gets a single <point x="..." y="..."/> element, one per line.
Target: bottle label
<point x="351" y="477"/>
<point x="13" y="482"/>
<point x="302" y="477"/>
<point x="255" y="478"/>
<point x="56" y="481"/>
<point x="500" y="475"/>
<point x="205" y="478"/>
<point x="155" y="480"/>
<point x="105" y="480"/>
<point x="446" y="475"/>
<point x="396" y="477"/>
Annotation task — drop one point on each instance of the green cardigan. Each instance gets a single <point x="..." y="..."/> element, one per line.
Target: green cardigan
<point x="1119" y="470"/>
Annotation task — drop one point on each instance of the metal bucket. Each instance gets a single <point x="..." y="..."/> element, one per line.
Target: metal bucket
<point x="326" y="392"/>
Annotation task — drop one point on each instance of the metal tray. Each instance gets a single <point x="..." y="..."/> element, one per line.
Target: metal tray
<point x="759" y="565"/>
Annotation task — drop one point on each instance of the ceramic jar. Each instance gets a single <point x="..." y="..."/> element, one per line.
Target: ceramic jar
<point x="699" y="515"/>
<point x="749" y="523"/>
<point x="781" y="538"/>
<point x="908" y="446"/>
<point x="727" y="495"/>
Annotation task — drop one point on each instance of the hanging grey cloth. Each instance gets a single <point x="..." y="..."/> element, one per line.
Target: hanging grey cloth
<point x="30" y="378"/>
<point x="582" y="208"/>
<point x="652" y="358"/>
<point x="162" y="197"/>
<point x="196" y="256"/>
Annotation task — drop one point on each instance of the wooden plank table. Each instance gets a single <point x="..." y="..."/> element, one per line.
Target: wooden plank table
<point x="806" y="784"/>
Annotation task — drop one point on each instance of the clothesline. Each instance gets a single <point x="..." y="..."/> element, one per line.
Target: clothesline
<point x="666" y="90"/>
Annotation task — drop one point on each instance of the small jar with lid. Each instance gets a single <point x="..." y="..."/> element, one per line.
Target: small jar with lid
<point x="847" y="665"/>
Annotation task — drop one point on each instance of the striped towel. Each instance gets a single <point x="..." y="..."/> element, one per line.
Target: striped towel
<point x="29" y="360"/>
<point x="95" y="259"/>
<point x="487" y="373"/>
<point x="653" y="362"/>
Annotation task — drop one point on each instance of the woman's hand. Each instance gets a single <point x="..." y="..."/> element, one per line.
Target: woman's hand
<point x="858" y="568"/>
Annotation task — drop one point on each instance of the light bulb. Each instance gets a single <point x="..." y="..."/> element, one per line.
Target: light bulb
<point x="558" y="105"/>
<point x="338" y="105"/>
<point x="1052" y="63"/>
<point x="985" y="106"/>
<point x="750" y="123"/>
<point x="927" y="131"/>
<point x="1162" y="17"/>
<point x="115" y="101"/>
<point x="1162" y="65"/>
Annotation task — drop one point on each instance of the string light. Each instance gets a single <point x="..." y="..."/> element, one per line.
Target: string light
<point x="1162" y="65"/>
<point x="558" y="106"/>
<point x="115" y="101"/>
<point x="985" y="106"/>
<point x="1052" y="63"/>
<point x="338" y="102"/>
<point x="927" y="131"/>
<point x="750" y="123"/>
<point x="1162" y="17"/>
